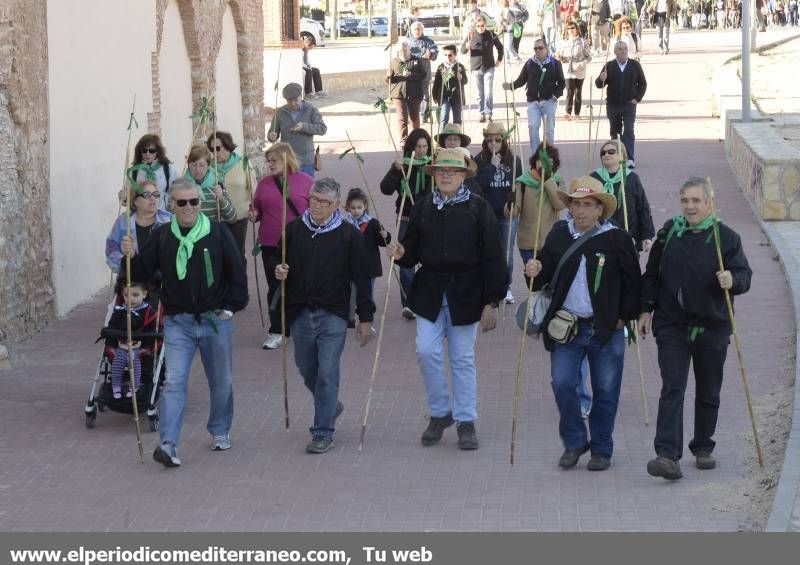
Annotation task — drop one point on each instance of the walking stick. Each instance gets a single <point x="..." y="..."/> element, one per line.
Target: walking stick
<point x="591" y="118"/>
<point x="256" y="246"/>
<point x="597" y="125"/>
<point x="509" y="131"/>
<point x="521" y="358"/>
<point x="365" y="411"/>
<point x="635" y="325"/>
<point x="274" y="125"/>
<point x="284" y="370"/>
<point x="729" y="304"/>
<point x="131" y="122"/>
<point x="134" y="399"/>
<point x="216" y="167"/>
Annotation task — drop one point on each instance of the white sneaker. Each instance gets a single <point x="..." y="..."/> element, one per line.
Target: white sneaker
<point x="631" y="164"/>
<point x="321" y="94"/>
<point x="510" y="298"/>
<point x="273" y="341"/>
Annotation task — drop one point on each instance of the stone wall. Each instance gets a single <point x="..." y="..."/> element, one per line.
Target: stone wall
<point x="26" y="287"/>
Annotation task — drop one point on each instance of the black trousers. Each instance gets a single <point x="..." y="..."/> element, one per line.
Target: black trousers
<point x="516" y="41"/>
<point x="312" y="76"/>
<point x="273" y="293"/>
<point x="675" y="353"/>
<point x="574" y="90"/>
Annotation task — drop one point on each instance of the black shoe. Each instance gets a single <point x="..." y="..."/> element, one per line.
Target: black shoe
<point x="319" y="444"/>
<point x="599" y="463"/>
<point x="483" y="119"/>
<point x="436" y="428"/>
<point x="704" y="460"/>
<point x="570" y="456"/>
<point x="467" y="438"/>
<point x="489" y="118"/>
<point x="339" y="410"/>
<point x="664" y="467"/>
<point x="167" y="455"/>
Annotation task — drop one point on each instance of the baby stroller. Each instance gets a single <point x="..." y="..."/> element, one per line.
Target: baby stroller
<point x="152" y="364"/>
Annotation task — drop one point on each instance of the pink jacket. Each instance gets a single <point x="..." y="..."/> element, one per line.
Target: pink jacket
<point x="268" y="204"/>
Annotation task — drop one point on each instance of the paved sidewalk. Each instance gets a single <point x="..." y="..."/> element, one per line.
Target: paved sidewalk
<point x="57" y="475"/>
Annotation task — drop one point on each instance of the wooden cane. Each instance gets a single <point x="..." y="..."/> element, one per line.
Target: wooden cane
<point x="729" y="304"/>
<point x="249" y="185"/>
<point x="600" y="111"/>
<point x="274" y="125"/>
<point x="131" y="122"/>
<point x="284" y="369"/>
<point x="645" y="408"/>
<point x="216" y="166"/>
<point x="589" y="142"/>
<point x="523" y="341"/>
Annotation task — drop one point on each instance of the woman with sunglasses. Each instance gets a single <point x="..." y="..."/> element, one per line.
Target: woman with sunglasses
<point x="640" y="222"/>
<point x="145" y="217"/>
<point x="150" y="153"/>
<point x="267" y="210"/>
<point x="623" y="31"/>
<point x="230" y="166"/>
<point x="496" y="172"/>
<point x="215" y="201"/>
<point x="574" y="54"/>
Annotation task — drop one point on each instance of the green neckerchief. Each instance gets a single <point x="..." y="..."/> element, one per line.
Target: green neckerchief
<point x="680" y="225"/>
<point x="209" y="181"/>
<point x="150" y="170"/>
<point x="609" y="181"/>
<point x="419" y="177"/>
<point x="529" y="180"/>
<point x="200" y="229"/>
<point x="225" y="167"/>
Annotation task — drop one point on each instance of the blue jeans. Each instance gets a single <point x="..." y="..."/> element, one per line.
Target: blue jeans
<point x="318" y="343"/>
<point x="309" y="170"/>
<point x="406" y="274"/>
<point x="444" y="116"/>
<point x="462" y="402"/>
<point x="605" y="363"/>
<point x="183" y="335"/>
<point x="484" y="80"/>
<point x="537" y="110"/>
<point x="584" y="392"/>
<point x="621" y="120"/>
<point x="503" y="225"/>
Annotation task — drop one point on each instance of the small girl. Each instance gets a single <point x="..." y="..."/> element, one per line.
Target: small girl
<point x="374" y="234"/>
<point x="143" y="319"/>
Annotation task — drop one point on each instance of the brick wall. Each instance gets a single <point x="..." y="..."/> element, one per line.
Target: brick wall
<point x="275" y="14"/>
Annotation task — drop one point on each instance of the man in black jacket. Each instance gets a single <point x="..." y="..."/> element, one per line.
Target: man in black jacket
<point x="683" y="293"/>
<point x="453" y="235"/>
<point x="204" y="283"/>
<point x="544" y="82"/>
<point x="480" y="45"/>
<point x="626" y="85"/>
<point x="597" y="288"/>
<point x="326" y="255"/>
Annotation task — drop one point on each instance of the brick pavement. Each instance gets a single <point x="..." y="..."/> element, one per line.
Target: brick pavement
<point x="57" y="475"/>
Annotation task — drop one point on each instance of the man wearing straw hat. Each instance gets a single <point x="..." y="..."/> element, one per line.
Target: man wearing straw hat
<point x="596" y="288"/>
<point x="683" y="296"/>
<point x="452" y="234"/>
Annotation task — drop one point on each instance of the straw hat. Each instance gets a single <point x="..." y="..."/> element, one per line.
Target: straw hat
<point x="495" y="128"/>
<point x="473" y="166"/>
<point x="450" y="159"/>
<point x="453" y="129"/>
<point x="589" y="187"/>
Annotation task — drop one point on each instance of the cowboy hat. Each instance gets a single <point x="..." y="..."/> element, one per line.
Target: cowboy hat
<point x="589" y="187"/>
<point x="453" y="129"/>
<point x="495" y="128"/>
<point x="473" y="166"/>
<point x="450" y="159"/>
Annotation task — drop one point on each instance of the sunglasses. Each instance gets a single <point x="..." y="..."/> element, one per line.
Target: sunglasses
<point x="182" y="202"/>
<point x="608" y="152"/>
<point x="216" y="148"/>
<point x="152" y="150"/>
<point x="150" y="195"/>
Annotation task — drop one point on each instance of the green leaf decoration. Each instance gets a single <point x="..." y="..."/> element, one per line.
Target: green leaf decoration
<point x="131" y="174"/>
<point x="631" y="325"/>
<point x="256" y="250"/>
<point x="547" y="164"/>
<point x="359" y="157"/>
<point x="507" y="134"/>
<point x="381" y="105"/>
<point x="345" y="152"/>
<point x="245" y="163"/>
<point x="132" y="121"/>
<point x="275" y="88"/>
<point x="203" y="112"/>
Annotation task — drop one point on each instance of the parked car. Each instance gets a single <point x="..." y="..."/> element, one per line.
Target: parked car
<point x="348" y="27"/>
<point x="314" y="29"/>
<point x="380" y="26"/>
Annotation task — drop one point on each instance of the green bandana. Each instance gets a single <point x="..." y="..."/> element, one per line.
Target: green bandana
<point x="680" y="225"/>
<point x="419" y="177"/>
<point x="225" y="168"/>
<point x="207" y="184"/>
<point x="529" y="180"/>
<point x="200" y="229"/>
<point x="609" y="181"/>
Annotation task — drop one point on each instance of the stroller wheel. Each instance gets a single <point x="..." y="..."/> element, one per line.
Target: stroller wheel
<point x="91" y="418"/>
<point x="154" y="423"/>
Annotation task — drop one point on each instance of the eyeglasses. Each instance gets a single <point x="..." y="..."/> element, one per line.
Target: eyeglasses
<point x="446" y="172"/>
<point x="608" y="152"/>
<point x="150" y="195"/>
<point x="494" y="140"/>
<point x="216" y="148"/>
<point x="182" y="202"/>
<point x="152" y="150"/>
<point x="313" y="200"/>
<point x="200" y="163"/>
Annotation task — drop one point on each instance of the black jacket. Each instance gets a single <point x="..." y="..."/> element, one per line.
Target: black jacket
<point x="619" y="283"/>
<point x="194" y="295"/>
<point x="640" y="220"/>
<point x="497" y="185"/>
<point x="372" y="241"/>
<point x="480" y="49"/>
<point x="321" y="269"/>
<point x="680" y="282"/>
<point x="538" y="87"/>
<point x="460" y="253"/>
<point x="143" y="320"/>
<point x="406" y="87"/>
<point x="392" y="182"/>
<point x="450" y="90"/>
<point x="622" y="87"/>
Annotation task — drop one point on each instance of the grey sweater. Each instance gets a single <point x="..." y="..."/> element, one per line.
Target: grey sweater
<point x="301" y="141"/>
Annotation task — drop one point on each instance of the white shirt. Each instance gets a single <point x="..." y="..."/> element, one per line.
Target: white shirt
<point x="578" y="300"/>
<point x="661" y="6"/>
<point x="622" y="65"/>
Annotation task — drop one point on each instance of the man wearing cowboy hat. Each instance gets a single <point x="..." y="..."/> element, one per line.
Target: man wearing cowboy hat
<point x="452" y="234"/>
<point x="597" y="288"/>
